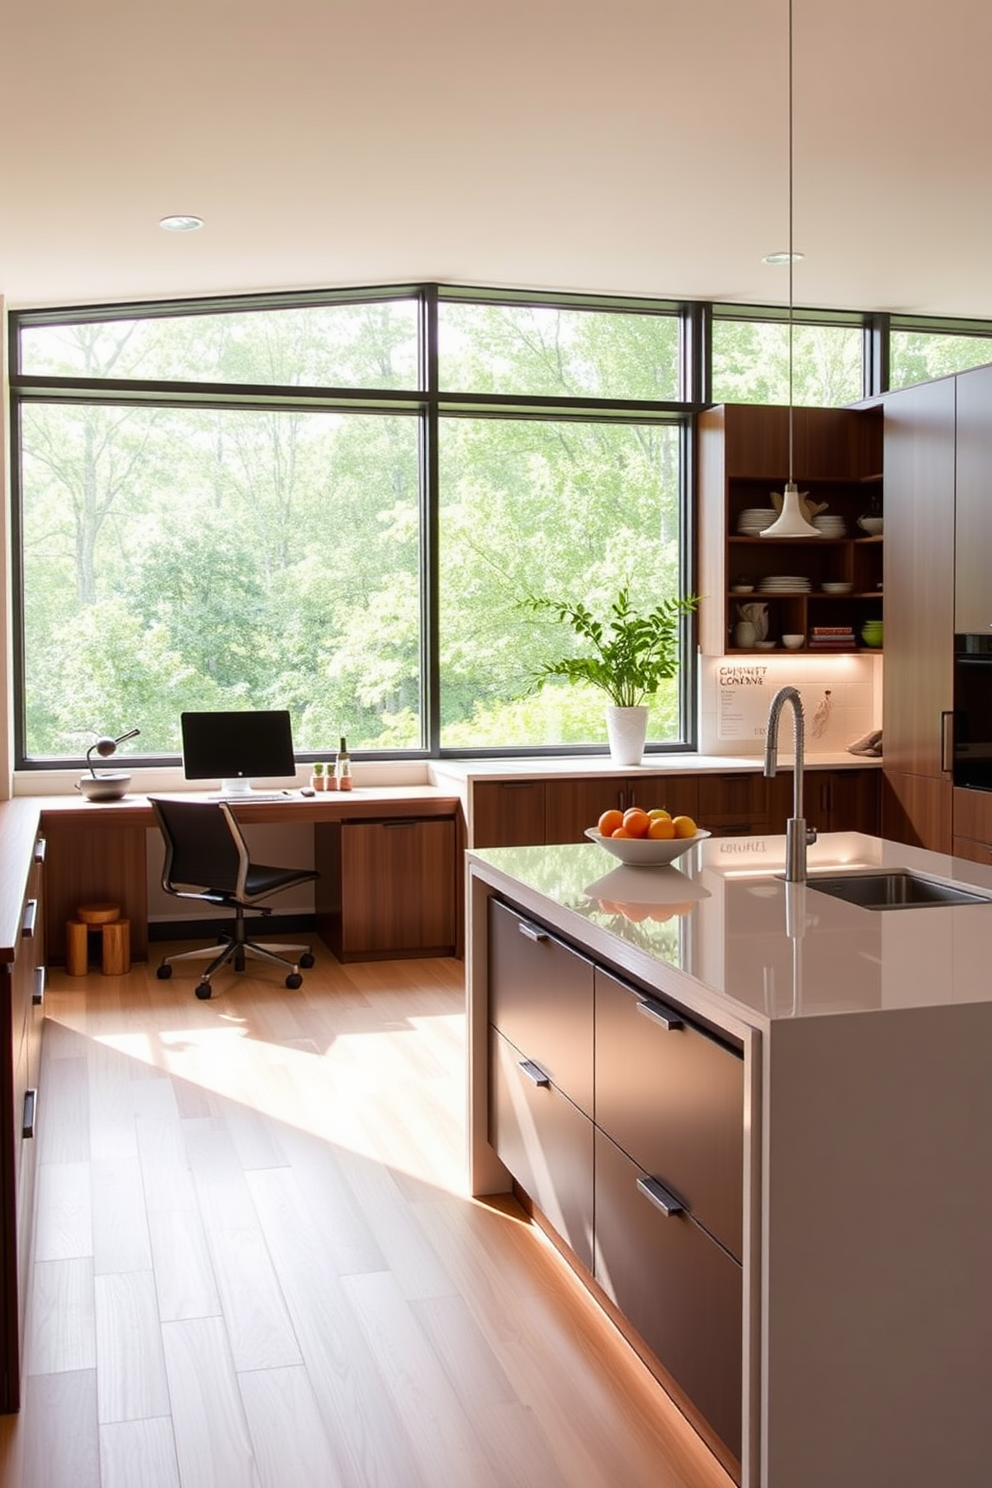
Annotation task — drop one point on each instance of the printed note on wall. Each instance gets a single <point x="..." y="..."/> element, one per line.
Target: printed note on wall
<point x="743" y="698"/>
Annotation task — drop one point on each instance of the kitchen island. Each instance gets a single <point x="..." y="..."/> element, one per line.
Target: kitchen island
<point x="813" y="1150"/>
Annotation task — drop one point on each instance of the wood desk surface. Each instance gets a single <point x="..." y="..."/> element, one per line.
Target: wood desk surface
<point x="369" y="801"/>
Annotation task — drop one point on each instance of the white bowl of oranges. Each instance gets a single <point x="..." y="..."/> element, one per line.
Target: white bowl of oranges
<point x="645" y="839"/>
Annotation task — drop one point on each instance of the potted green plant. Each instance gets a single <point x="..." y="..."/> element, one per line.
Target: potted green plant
<point x="629" y="655"/>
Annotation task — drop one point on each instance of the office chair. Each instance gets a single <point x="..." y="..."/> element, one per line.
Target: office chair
<point x="206" y="858"/>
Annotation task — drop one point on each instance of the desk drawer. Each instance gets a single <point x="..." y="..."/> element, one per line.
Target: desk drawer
<point x="673" y="1098"/>
<point x="541" y="998"/>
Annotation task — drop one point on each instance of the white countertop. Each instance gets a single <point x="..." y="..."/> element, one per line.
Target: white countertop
<point x="722" y="930"/>
<point x="464" y="771"/>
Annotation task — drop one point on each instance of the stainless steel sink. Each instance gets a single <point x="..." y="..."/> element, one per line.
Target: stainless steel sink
<point x="898" y="889"/>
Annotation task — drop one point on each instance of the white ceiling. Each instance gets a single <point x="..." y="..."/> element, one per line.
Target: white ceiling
<point x="627" y="146"/>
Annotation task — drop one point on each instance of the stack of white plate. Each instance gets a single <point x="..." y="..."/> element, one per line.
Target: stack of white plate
<point x="753" y="522"/>
<point x="830" y="526"/>
<point x="837" y="588"/>
<point x="784" y="584"/>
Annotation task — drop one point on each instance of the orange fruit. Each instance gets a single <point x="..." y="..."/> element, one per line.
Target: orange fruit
<point x="621" y="832"/>
<point x="635" y="822"/>
<point x="684" y="826"/>
<point x="658" y="813"/>
<point x="661" y="827"/>
<point x="609" y="821"/>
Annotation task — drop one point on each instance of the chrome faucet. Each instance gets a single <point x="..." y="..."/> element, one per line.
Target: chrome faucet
<point x="797" y="835"/>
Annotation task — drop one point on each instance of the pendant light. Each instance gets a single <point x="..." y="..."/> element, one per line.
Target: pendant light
<point x="791" y="522"/>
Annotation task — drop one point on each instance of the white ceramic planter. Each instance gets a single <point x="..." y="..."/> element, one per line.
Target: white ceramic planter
<point x="626" y="729"/>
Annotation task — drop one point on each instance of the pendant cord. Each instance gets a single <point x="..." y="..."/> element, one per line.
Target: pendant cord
<point x="791" y="255"/>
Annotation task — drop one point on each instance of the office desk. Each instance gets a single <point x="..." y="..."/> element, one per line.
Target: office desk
<point x="377" y="896"/>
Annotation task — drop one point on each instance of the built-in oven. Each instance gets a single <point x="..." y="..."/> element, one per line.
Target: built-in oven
<point x="972" y="753"/>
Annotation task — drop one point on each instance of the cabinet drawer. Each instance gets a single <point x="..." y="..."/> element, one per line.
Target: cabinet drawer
<point x="508" y="813"/>
<point x="681" y="1291"/>
<point x="733" y="803"/>
<point x="541" y="997"/>
<point x="545" y="1141"/>
<point x="673" y="1098"/>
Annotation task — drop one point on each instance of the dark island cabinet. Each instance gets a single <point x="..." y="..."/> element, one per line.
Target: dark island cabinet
<point x="673" y="1098"/>
<point x="681" y="1291"/>
<point x="622" y="1122"/>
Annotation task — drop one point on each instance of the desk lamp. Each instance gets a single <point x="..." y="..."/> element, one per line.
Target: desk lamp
<point x="111" y="784"/>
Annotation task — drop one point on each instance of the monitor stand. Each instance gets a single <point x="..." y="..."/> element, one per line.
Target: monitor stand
<point x="239" y="786"/>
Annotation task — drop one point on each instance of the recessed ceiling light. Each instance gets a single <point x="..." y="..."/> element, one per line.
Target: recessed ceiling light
<point x="181" y="224"/>
<point x="783" y="258"/>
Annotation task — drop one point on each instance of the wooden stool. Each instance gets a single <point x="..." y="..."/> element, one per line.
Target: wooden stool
<point x="115" y="936"/>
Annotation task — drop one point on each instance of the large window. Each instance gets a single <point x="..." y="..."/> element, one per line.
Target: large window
<point x="750" y="358"/>
<point x="920" y="351"/>
<point x="337" y="507"/>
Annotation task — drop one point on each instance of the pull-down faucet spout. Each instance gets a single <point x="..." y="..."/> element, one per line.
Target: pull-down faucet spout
<point x="797" y="835"/>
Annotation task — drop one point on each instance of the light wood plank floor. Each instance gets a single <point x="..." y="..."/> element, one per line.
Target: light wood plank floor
<point x="256" y="1264"/>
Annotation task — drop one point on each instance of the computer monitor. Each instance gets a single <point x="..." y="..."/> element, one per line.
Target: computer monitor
<point x="237" y="747"/>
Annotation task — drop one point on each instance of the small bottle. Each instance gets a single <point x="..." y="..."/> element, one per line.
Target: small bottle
<point x="342" y="768"/>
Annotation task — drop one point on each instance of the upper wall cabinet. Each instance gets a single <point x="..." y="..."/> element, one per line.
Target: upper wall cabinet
<point x="743" y="458"/>
<point x="973" y="504"/>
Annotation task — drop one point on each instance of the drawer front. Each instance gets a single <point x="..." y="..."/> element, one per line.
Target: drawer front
<point x="681" y="1291"/>
<point x="508" y="813"/>
<point x="673" y="1098"/>
<point x="546" y="1143"/>
<point x="734" y="804"/>
<point x="541" y="998"/>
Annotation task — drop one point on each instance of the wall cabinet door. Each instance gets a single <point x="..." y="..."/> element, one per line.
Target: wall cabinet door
<point x="973" y="504"/>
<point x="508" y="813"/>
<point x="919" y="579"/>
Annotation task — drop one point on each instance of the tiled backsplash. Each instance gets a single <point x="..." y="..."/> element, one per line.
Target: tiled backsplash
<point x="841" y="695"/>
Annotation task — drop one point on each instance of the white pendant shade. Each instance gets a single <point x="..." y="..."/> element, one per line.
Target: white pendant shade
<point x="790" y="521"/>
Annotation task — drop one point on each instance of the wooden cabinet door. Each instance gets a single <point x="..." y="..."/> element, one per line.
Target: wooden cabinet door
<point x="398" y="888"/>
<point x="843" y="800"/>
<point x="573" y="804"/>
<point x="917" y="809"/>
<point x="973" y="504"/>
<point x="919" y="577"/>
<point x="508" y="813"/>
<point x="734" y="805"/>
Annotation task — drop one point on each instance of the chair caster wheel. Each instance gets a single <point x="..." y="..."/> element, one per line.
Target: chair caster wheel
<point x="306" y="960"/>
<point x="294" y="980"/>
<point x="163" y="972"/>
<point x="203" y="991"/>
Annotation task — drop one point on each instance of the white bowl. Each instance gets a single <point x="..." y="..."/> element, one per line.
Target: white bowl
<point x="836" y="588"/>
<point x="793" y="642"/>
<point x="109" y="786"/>
<point x="871" y="525"/>
<point x="645" y="852"/>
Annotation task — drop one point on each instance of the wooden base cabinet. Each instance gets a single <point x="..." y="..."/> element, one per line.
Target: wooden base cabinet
<point x="387" y="888"/>
<point x="22" y="986"/>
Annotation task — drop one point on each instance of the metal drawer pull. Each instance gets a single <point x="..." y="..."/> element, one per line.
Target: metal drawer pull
<point x="660" y="1197"/>
<point x="531" y="931"/>
<point x="658" y="1014"/>
<point x="30" y="918"/>
<point x="30" y="1110"/>
<point x="40" y="847"/>
<point x="534" y="1072"/>
<point x="38" y="995"/>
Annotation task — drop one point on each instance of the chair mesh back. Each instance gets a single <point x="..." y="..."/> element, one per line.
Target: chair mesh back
<point x="199" y="846"/>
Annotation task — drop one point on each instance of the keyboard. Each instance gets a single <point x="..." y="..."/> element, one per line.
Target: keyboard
<point x="254" y="798"/>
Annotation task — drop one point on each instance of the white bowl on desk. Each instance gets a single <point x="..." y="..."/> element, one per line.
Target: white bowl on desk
<point x="111" y="785"/>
